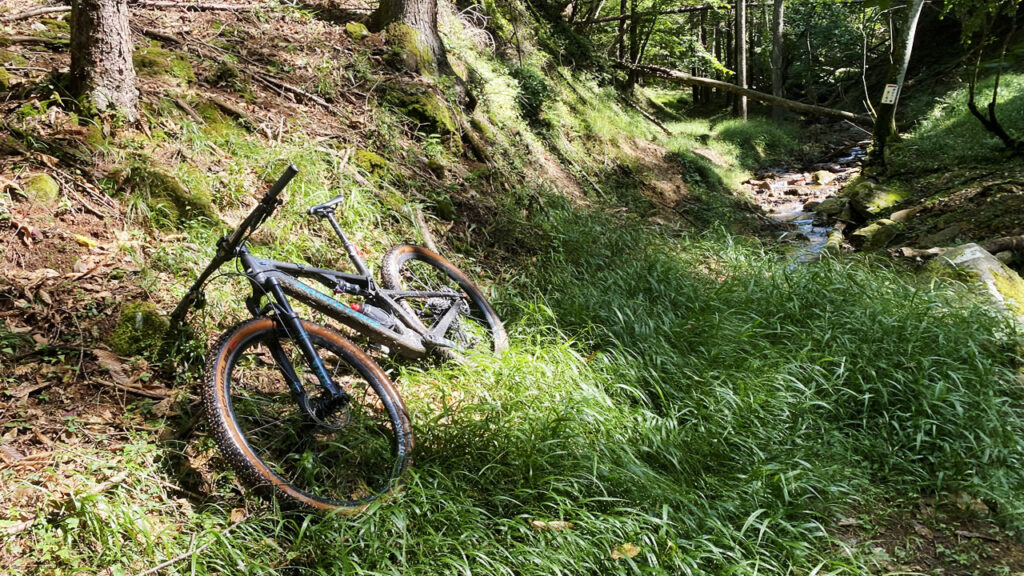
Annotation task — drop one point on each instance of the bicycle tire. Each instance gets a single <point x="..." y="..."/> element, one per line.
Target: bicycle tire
<point x="351" y="458"/>
<point x="410" y="267"/>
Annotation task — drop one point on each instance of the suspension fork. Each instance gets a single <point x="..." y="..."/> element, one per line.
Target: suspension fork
<point x="290" y="322"/>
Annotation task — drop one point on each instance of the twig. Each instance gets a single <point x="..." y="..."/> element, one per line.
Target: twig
<point x="154" y="394"/>
<point x="189" y="110"/>
<point x="428" y="238"/>
<point x="186" y="555"/>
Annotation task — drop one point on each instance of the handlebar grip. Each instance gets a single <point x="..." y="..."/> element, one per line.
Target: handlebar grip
<point x="283" y="181"/>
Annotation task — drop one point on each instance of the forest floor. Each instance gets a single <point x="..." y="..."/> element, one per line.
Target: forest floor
<point x="82" y="424"/>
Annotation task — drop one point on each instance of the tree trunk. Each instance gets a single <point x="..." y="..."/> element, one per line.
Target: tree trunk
<point x="885" y="120"/>
<point x="102" y="75"/>
<point x="411" y="26"/>
<point x="778" y="78"/>
<point x="634" y="45"/>
<point x="623" y="8"/>
<point x="741" y="56"/>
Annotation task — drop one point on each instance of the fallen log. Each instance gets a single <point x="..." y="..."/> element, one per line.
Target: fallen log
<point x="1011" y="243"/>
<point x="689" y="79"/>
<point x="172" y="4"/>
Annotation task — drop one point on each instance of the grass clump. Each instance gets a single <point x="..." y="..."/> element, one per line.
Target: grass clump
<point x="948" y="135"/>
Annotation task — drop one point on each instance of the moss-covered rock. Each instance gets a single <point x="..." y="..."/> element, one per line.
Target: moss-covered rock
<point x="42" y="189"/>
<point x="5" y="79"/>
<point x="420" y="104"/>
<point x="869" y="198"/>
<point x="1001" y="284"/>
<point x="151" y="62"/>
<point x="874" y="236"/>
<point x="371" y="163"/>
<point x="356" y="31"/>
<point x="140" y="331"/>
<point x="12" y="58"/>
<point x="170" y="204"/>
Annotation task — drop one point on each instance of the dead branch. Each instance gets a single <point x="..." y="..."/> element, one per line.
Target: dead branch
<point x="34" y="12"/>
<point x="428" y="238"/>
<point x="1012" y="243"/>
<point x="684" y="78"/>
<point x="197" y="6"/>
<point x="914" y="253"/>
<point x="8" y="40"/>
<point x="650" y="118"/>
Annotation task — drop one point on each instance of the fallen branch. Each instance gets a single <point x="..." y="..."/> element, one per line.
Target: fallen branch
<point x="197" y="6"/>
<point x="650" y="118"/>
<point x="1012" y="243"/>
<point x="34" y="12"/>
<point x="8" y="40"/>
<point x="908" y="252"/>
<point x="684" y="78"/>
<point x="191" y="552"/>
<point x="428" y="238"/>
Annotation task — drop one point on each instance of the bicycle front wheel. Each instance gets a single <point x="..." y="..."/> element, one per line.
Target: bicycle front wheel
<point x="414" y="268"/>
<point x="344" y="460"/>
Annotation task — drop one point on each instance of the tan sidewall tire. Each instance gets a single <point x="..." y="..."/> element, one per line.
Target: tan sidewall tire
<point x="230" y="438"/>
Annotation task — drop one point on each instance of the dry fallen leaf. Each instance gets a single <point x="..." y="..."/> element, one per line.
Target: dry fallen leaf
<point x="626" y="550"/>
<point x="111" y="363"/>
<point x="238" y="515"/>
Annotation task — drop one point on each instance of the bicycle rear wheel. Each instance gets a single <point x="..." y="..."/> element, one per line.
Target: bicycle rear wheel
<point x="350" y="458"/>
<point x="409" y="267"/>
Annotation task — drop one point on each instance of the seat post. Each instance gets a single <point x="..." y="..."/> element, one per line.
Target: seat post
<point x="350" y="248"/>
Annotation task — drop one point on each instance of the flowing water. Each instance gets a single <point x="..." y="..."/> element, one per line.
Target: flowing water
<point x="788" y="197"/>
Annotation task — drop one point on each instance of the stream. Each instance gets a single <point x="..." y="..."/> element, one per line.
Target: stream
<point x="788" y="197"/>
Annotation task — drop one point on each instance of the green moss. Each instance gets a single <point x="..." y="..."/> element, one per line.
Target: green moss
<point x="875" y="236"/>
<point x="1011" y="287"/>
<point x="12" y="58"/>
<point x="371" y="163"/>
<point x="5" y="79"/>
<point x="153" y="62"/>
<point x="356" y="31"/>
<point x="168" y="202"/>
<point x="140" y="331"/>
<point x="56" y="27"/>
<point x="419" y="103"/>
<point x="42" y="188"/>
<point x="408" y="49"/>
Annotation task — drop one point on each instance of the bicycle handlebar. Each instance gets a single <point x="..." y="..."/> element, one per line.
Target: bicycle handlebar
<point x="228" y="244"/>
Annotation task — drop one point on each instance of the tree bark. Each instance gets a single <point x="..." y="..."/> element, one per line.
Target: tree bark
<point x="778" y="78"/>
<point x="634" y="46"/>
<point x="411" y="26"/>
<point x="622" y="30"/>
<point x="741" y="56"/>
<point x="885" y="120"/>
<point x="684" y="78"/>
<point x="102" y="75"/>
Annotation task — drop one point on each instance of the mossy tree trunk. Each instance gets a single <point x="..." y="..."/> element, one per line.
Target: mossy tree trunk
<point x="885" y="119"/>
<point x="102" y="75"/>
<point x="411" y="26"/>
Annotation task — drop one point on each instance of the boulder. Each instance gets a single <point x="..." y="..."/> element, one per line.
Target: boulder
<point x="823" y="177"/>
<point x="42" y="189"/>
<point x="833" y="206"/>
<point x="875" y="235"/>
<point x="356" y="31"/>
<point x="868" y="198"/>
<point x="1003" y="286"/>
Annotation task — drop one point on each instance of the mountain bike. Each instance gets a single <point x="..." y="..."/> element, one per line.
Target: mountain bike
<point x="301" y="410"/>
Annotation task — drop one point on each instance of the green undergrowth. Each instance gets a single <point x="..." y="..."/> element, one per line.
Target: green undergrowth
<point x="684" y="402"/>
<point x="948" y="136"/>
